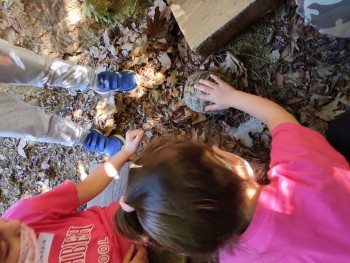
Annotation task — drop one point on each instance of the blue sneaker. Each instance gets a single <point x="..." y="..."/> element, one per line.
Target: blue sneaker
<point x="122" y="81"/>
<point x="95" y="141"/>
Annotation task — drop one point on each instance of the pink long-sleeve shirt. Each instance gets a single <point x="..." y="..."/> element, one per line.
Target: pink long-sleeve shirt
<point x="303" y="215"/>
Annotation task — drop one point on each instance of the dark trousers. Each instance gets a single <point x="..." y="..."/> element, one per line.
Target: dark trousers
<point x="338" y="134"/>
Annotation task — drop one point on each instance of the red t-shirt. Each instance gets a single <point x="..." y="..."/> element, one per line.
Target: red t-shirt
<point x="303" y="215"/>
<point x="65" y="235"/>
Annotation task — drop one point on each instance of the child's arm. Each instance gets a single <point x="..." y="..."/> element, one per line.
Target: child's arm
<point x="98" y="180"/>
<point x="224" y="96"/>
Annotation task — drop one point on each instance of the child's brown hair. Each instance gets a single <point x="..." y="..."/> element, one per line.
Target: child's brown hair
<point x="185" y="199"/>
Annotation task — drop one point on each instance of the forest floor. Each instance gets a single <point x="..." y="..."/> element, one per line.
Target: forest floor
<point x="291" y="63"/>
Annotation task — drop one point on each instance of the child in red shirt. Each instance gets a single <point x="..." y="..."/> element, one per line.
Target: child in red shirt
<point x="47" y="227"/>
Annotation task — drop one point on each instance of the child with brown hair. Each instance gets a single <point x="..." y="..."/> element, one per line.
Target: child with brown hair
<point x="198" y="200"/>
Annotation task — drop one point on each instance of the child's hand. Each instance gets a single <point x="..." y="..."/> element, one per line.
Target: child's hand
<point x="132" y="141"/>
<point x="140" y="256"/>
<point x="219" y="93"/>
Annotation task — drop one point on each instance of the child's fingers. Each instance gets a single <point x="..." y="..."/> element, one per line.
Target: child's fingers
<point x="203" y="88"/>
<point x="140" y="133"/>
<point x="134" y="134"/>
<point x="217" y="79"/>
<point x="204" y="97"/>
<point x="129" y="254"/>
<point x="139" y="136"/>
<point x="212" y="107"/>
<point x="220" y="82"/>
<point x="130" y="134"/>
<point x="208" y="83"/>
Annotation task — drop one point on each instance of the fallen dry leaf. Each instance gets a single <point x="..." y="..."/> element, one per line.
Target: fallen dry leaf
<point x="330" y="111"/>
<point x="275" y="55"/>
<point x="200" y="117"/>
<point x="323" y="70"/>
<point x="171" y="81"/>
<point x="109" y="127"/>
<point x="279" y="80"/>
<point x="164" y="60"/>
<point x="242" y="132"/>
<point x="20" y="148"/>
<point x="292" y="78"/>
<point x="157" y="25"/>
<point x="107" y="42"/>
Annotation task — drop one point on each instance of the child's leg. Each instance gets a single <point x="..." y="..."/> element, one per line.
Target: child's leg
<point x="22" y="120"/>
<point x="339" y="134"/>
<point x="22" y="66"/>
